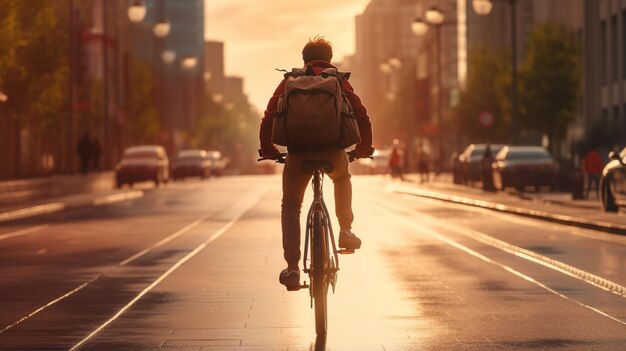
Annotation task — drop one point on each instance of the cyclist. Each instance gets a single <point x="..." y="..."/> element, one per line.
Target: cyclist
<point x="316" y="53"/>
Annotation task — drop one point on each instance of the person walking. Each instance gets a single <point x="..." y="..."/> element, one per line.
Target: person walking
<point x="395" y="162"/>
<point x="592" y="164"/>
<point x="316" y="54"/>
<point x="85" y="152"/>
<point x="96" y="155"/>
<point x="487" y="173"/>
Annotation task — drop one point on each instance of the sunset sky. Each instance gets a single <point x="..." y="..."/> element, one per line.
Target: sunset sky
<point x="262" y="35"/>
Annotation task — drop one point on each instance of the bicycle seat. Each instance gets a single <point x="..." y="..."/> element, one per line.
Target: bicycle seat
<point x="312" y="166"/>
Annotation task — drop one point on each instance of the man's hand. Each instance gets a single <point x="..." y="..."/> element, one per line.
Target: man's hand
<point x="356" y="154"/>
<point x="269" y="154"/>
<point x="360" y="153"/>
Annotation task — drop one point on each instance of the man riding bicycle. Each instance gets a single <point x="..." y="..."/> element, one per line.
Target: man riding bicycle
<point x="317" y="53"/>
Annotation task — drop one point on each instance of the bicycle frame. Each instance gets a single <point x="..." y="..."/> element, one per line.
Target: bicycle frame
<point x="319" y="205"/>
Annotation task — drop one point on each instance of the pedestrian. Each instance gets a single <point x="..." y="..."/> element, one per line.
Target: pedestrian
<point x="422" y="163"/>
<point x="316" y="54"/>
<point x="592" y="164"/>
<point x="395" y="162"/>
<point x="487" y="173"/>
<point x="85" y="152"/>
<point x="96" y="155"/>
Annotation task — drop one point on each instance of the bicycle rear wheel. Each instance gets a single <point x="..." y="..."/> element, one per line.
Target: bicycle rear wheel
<point x="319" y="278"/>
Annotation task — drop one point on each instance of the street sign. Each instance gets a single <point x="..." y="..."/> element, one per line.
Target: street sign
<point x="486" y="119"/>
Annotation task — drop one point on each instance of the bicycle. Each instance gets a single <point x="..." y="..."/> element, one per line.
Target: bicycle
<point x="319" y="233"/>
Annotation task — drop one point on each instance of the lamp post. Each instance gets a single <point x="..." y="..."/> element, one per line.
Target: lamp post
<point x="435" y="18"/>
<point x="483" y="8"/>
<point x="137" y="11"/>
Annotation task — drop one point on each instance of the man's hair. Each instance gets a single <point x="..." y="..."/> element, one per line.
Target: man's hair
<point x="317" y="48"/>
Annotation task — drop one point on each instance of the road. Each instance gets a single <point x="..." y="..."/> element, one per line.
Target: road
<point x="194" y="266"/>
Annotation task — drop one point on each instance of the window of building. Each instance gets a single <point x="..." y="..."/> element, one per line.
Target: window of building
<point x="603" y="54"/>
<point x="614" y="48"/>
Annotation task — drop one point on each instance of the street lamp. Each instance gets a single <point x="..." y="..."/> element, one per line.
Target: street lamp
<point x="189" y="62"/>
<point x="137" y="11"/>
<point x="168" y="56"/>
<point x="483" y="7"/>
<point x="435" y="18"/>
<point x="3" y="97"/>
<point x="161" y="29"/>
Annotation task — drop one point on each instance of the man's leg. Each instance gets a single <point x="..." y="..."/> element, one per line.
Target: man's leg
<point x="294" y="186"/>
<point x="343" y="188"/>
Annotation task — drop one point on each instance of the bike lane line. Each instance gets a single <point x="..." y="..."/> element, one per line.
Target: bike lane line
<point x="173" y="268"/>
<point x="444" y="239"/>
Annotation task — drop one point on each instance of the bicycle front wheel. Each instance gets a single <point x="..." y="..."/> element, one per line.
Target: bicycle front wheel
<point x="319" y="278"/>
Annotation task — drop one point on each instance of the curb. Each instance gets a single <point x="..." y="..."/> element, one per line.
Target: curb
<point x="58" y="206"/>
<point x="546" y="216"/>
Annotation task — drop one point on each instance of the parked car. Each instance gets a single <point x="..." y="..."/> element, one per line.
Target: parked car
<point x="218" y="162"/>
<point x="522" y="166"/>
<point x="613" y="182"/>
<point x="191" y="163"/>
<point x="470" y="161"/>
<point x="142" y="163"/>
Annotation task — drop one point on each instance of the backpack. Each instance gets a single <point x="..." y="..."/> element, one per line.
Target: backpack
<point x="314" y="112"/>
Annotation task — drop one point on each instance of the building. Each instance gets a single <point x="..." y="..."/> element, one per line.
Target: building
<point x="604" y="27"/>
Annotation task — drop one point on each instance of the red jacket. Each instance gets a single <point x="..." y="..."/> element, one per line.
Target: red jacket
<point x="365" y="127"/>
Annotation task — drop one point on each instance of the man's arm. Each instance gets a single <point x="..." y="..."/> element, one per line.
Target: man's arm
<point x="363" y="148"/>
<point x="268" y="149"/>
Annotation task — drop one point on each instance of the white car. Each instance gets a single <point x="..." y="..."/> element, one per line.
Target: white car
<point x="143" y="163"/>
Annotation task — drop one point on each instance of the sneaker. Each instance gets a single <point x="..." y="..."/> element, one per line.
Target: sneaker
<point x="348" y="240"/>
<point x="289" y="277"/>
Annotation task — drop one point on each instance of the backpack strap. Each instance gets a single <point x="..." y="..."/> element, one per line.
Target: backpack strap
<point x="335" y="73"/>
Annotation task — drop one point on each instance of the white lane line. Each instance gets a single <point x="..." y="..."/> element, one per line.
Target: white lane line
<point x="529" y="255"/>
<point x="113" y="198"/>
<point x="23" y="232"/>
<point x="165" y="240"/>
<point x="488" y="260"/>
<point x="185" y="229"/>
<point x="31" y="211"/>
<point x="166" y="274"/>
<point x="527" y="221"/>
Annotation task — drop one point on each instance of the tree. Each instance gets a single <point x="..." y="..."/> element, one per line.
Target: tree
<point x="486" y="91"/>
<point x="143" y="118"/>
<point x="550" y="82"/>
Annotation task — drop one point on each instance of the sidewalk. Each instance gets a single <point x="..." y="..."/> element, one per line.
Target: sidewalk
<point x="554" y="207"/>
<point x="24" y="190"/>
<point x="34" y="197"/>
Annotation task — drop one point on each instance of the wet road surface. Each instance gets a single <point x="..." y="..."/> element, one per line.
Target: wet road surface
<point x="194" y="266"/>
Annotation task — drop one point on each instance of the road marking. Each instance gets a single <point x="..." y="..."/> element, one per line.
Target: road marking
<point x="252" y="201"/>
<point x="576" y="231"/>
<point x="23" y="232"/>
<point x="545" y="261"/>
<point x="32" y="211"/>
<point x="113" y="198"/>
<point x="187" y="257"/>
<point x="165" y="240"/>
<point x="488" y="260"/>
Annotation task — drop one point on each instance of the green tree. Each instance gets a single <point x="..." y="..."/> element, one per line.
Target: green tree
<point x="143" y="118"/>
<point x="486" y="91"/>
<point x="34" y="66"/>
<point x="550" y="82"/>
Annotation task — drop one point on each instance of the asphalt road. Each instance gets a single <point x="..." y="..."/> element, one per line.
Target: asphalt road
<point x="194" y="266"/>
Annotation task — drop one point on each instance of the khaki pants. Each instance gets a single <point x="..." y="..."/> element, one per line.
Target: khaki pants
<point x="295" y="183"/>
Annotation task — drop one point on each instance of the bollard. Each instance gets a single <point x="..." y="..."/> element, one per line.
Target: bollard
<point x="578" y="184"/>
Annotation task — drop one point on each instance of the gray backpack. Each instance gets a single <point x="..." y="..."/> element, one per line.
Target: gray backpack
<point x="313" y="111"/>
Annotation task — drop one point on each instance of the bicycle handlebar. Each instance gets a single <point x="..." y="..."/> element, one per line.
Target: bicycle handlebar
<point x="280" y="157"/>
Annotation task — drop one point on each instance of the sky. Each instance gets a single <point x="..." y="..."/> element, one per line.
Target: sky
<point x="261" y="35"/>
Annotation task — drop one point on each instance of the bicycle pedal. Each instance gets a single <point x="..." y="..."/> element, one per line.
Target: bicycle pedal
<point x="345" y="251"/>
